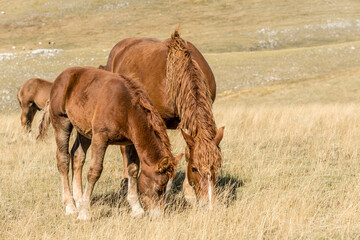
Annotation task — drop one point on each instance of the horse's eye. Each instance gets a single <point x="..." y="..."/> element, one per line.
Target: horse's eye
<point x="194" y="169"/>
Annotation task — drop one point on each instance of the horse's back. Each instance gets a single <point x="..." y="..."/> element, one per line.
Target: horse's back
<point x="91" y="98"/>
<point x="147" y="58"/>
<point x="35" y="90"/>
<point x="132" y="52"/>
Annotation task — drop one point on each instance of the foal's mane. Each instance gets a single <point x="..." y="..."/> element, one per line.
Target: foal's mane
<point x="155" y="121"/>
<point x="189" y="93"/>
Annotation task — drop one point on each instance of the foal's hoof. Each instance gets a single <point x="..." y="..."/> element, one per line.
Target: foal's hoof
<point x="137" y="213"/>
<point x="70" y="210"/>
<point x="155" y="213"/>
<point x="84" y="215"/>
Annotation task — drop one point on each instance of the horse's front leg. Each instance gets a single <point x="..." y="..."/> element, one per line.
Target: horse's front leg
<point x="98" y="148"/>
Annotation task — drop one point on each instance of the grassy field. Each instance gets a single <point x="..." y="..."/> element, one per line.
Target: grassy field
<point x="288" y="76"/>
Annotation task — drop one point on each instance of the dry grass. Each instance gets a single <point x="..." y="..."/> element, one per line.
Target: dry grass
<point x="289" y="94"/>
<point x="293" y="168"/>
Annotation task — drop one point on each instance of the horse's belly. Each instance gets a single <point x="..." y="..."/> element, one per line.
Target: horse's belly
<point x="81" y="124"/>
<point x="123" y="141"/>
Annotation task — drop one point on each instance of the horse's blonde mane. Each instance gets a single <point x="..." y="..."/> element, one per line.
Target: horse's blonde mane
<point x="190" y="95"/>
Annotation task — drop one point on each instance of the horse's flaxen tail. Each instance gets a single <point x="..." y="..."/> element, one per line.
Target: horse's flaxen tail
<point x="45" y="122"/>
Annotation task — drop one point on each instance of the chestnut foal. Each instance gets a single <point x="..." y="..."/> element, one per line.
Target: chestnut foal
<point x="106" y="108"/>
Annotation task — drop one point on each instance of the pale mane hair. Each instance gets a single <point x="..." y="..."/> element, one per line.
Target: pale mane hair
<point x="190" y="95"/>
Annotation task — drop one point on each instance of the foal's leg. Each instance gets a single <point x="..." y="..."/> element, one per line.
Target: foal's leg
<point x="125" y="181"/>
<point x="98" y="148"/>
<point x="78" y="155"/>
<point x="62" y="129"/>
<point x="133" y="170"/>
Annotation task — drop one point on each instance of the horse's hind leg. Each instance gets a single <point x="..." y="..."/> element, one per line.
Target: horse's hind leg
<point x="62" y="129"/>
<point x="78" y="155"/>
<point x="27" y="116"/>
<point x="133" y="170"/>
<point x="98" y="148"/>
<point x="23" y="118"/>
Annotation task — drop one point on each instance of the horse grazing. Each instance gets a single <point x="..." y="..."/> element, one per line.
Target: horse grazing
<point x="32" y="96"/>
<point x="106" y="108"/>
<point x="182" y="88"/>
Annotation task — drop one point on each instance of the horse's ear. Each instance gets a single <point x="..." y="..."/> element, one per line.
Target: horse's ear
<point x="219" y="135"/>
<point x="188" y="139"/>
<point x="163" y="164"/>
<point x="178" y="159"/>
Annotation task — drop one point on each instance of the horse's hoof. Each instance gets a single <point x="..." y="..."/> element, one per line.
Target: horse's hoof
<point x="137" y="213"/>
<point x="84" y="215"/>
<point x="70" y="209"/>
<point x="155" y="213"/>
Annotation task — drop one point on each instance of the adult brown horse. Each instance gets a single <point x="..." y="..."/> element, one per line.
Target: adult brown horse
<point x="32" y="96"/>
<point x="106" y="108"/>
<point x="182" y="88"/>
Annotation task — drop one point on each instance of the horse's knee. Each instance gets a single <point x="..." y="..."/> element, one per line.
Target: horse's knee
<point x="133" y="170"/>
<point x="94" y="173"/>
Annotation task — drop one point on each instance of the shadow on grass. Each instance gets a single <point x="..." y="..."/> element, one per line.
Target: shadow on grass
<point x="226" y="187"/>
<point x="113" y="199"/>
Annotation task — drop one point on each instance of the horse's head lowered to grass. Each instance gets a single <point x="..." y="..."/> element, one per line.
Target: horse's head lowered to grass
<point x="204" y="159"/>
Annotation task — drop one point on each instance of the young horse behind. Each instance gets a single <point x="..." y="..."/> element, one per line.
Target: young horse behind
<point x="106" y="108"/>
<point x="32" y="96"/>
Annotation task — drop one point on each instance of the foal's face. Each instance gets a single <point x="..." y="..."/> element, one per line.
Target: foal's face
<point x="152" y="184"/>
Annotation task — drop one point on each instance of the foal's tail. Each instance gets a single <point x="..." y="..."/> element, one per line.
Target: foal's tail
<point x="45" y="122"/>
